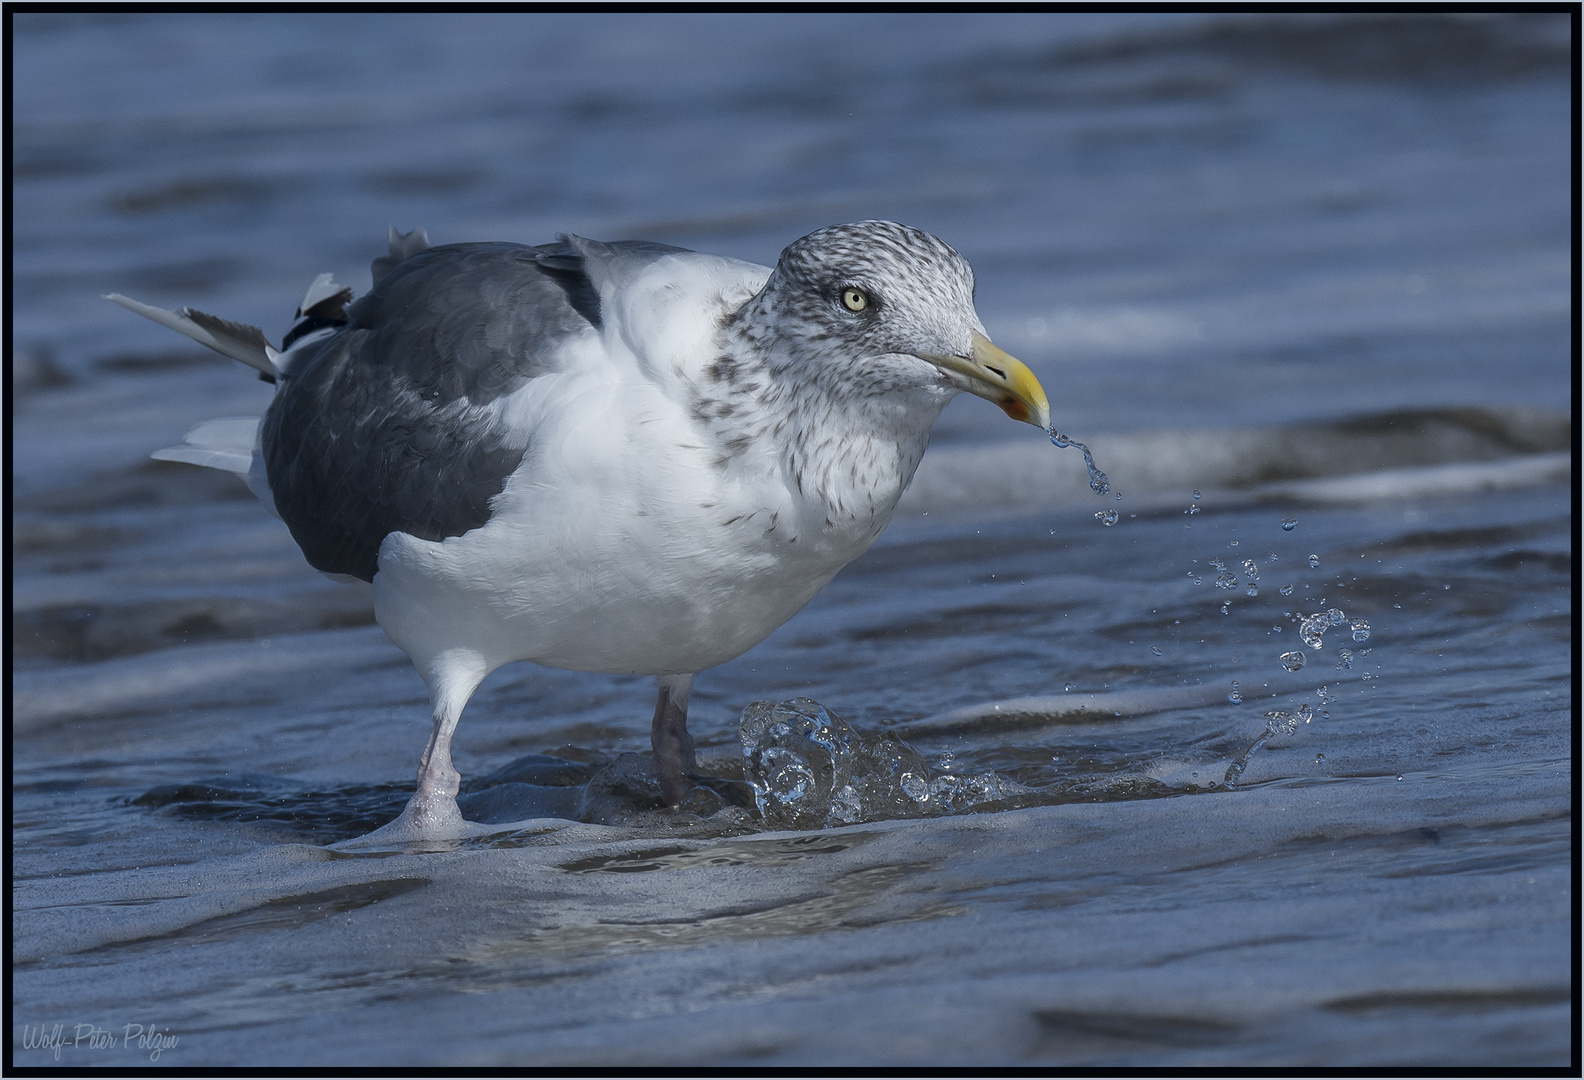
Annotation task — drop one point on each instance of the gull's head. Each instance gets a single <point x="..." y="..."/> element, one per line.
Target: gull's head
<point x="885" y="307"/>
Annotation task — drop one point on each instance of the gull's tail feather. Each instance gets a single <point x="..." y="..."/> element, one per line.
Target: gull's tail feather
<point x="323" y="307"/>
<point x="236" y="340"/>
<point x="322" y="289"/>
<point x="230" y="443"/>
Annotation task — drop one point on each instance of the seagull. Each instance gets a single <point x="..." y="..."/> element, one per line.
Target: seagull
<point x="616" y="457"/>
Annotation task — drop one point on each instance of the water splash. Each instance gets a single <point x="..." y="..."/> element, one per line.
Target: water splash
<point x="1235" y="770"/>
<point x="1282" y="723"/>
<point x="1098" y="481"/>
<point x="1277" y="722"/>
<point x="810" y="769"/>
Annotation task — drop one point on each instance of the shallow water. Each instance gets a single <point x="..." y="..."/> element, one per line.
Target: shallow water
<point x="1304" y="291"/>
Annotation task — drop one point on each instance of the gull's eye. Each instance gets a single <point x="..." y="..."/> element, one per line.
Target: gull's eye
<point x="854" y="299"/>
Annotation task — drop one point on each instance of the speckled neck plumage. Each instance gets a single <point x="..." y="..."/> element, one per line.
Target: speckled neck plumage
<point x="783" y="389"/>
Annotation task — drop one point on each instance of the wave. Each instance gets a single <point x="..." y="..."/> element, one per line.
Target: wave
<point x="1404" y="453"/>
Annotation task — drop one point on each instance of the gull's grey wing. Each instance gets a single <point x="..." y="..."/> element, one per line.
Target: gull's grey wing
<point x="393" y="422"/>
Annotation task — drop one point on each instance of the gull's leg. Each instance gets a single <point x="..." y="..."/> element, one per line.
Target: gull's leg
<point x="432" y="813"/>
<point x="434" y="805"/>
<point x="673" y="746"/>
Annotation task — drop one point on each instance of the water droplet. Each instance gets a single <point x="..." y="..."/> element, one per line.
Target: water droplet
<point x="1344" y="659"/>
<point x="1226" y="607"/>
<point x="1098" y="481"/>
<point x="1191" y="510"/>
<point x="1226" y="580"/>
<point x="1196" y="493"/>
<point x="1314" y="562"/>
<point x="1252" y="590"/>
<point x="1281" y="723"/>
<point x="1399" y="776"/>
<point x="1235" y="697"/>
<point x="1305" y="713"/>
<point x="1312" y="628"/>
<point x="1119" y="498"/>
<point x="1292" y="661"/>
<point x="1067" y="687"/>
<point x="1276" y="629"/>
<point x="1324" y="694"/>
<point x="1335" y="617"/>
<point x="1289" y="524"/>
<point x="1106" y="517"/>
<point x="1251" y="569"/>
<point x="1361" y="630"/>
<point x="1233" y="544"/>
<point x="1286" y="590"/>
<point x="1319" y="757"/>
<point x="1156" y="650"/>
<point x="1324" y="715"/>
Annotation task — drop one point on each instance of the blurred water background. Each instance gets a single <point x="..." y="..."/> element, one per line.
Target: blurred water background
<point x="1303" y="268"/>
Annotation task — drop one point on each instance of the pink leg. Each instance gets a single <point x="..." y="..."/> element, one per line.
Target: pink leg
<point x="433" y="805"/>
<point x="432" y="814"/>
<point x="669" y="738"/>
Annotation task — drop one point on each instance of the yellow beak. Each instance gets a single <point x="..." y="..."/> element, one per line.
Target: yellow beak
<point x="998" y="377"/>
